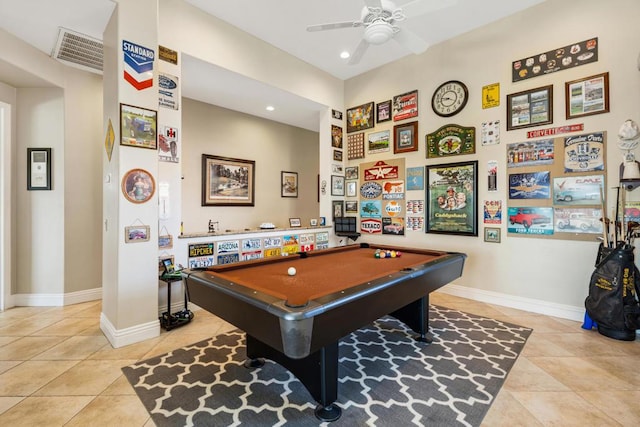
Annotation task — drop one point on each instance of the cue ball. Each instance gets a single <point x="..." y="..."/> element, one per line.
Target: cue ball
<point x="291" y="271"/>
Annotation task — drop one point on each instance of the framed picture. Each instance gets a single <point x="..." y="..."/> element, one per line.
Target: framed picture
<point x="351" y="206"/>
<point x="378" y="142"/>
<point x="351" y="172"/>
<point x="405" y="137"/>
<point x="337" y="155"/>
<point x="338" y="209"/>
<point x="336" y="136"/>
<point x="337" y="185"/>
<point x="227" y="181"/>
<point x="323" y="221"/>
<point x="360" y="117"/>
<point x="136" y="233"/>
<point x="313" y="222"/>
<point x="587" y="96"/>
<point x="352" y="188"/>
<point x="289" y="184"/>
<point x="383" y="111"/>
<point x="530" y="108"/>
<point x="294" y="222"/>
<point x="405" y="106"/>
<point x="451" y="198"/>
<point x="138" y="127"/>
<point x="162" y="260"/>
<point x="138" y="186"/>
<point x="165" y="241"/>
<point x="492" y="234"/>
<point x="38" y="168"/>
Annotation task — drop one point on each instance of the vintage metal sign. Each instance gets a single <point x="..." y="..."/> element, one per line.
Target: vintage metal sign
<point x="451" y="140"/>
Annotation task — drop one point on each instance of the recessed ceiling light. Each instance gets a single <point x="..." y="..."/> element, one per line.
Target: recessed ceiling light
<point x="345" y="54"/>
<point x="270" y="108"/>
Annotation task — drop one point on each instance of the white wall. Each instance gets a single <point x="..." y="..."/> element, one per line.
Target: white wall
<point x="40" y="226"/>
<point x="550" y="271"/>
<point x="273" y="146"/>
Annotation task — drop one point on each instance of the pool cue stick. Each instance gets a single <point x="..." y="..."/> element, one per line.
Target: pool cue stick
<point x="605" y="227"/>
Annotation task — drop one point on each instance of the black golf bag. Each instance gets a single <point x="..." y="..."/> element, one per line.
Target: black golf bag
<point x="613" y="293"/>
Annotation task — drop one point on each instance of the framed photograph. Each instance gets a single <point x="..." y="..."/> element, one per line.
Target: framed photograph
<point x="351" y="206"/>
<point x="336" y="136"/>
<point x="288" y="184"/>
<point x="352" y="188"/>
<point x="383" y="111"/>
<point x="136" y="233"/>
<point x="587" y="96"/>
<point x="451" y="198"/>
<point x="360" y="117"/>
<point x="38" y="168"/>
<point x="165" y="241"/>
<point x="337" y="155"/>
<point x="338" y="209"/>
<point x="378" y="142"/>
<point x="351" y="172"/>
<point x="323" y="221"/>
<point x="405" y="137"/>
<point x="294" y="222"/>
<point x="492" y="234"/>
<point x="405" y="106"/>
<point x="336" y="114"/>
<point x="138" y="186"/>
<point x="227" y="181"/>
<point x="337" y="185"/>
<point x="313" y="222"/>
<point x="138" y="127"/>
<point x="530" y="108"/>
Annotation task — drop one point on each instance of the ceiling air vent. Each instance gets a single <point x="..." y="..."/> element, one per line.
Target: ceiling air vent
<point x="78" y="50"/>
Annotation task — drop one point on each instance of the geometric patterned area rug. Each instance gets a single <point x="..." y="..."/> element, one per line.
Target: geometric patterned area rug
<point x="386" y="378"/>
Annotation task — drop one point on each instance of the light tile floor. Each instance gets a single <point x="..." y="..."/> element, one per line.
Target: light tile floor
<point x="58" y="369"/>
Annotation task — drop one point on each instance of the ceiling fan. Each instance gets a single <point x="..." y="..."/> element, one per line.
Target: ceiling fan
<point x="379" y="18"/>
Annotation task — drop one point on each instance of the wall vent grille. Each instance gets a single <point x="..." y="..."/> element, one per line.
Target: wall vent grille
<point x="79" y="50"/>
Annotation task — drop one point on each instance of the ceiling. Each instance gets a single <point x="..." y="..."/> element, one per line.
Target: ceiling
<point x="281" y="23"/>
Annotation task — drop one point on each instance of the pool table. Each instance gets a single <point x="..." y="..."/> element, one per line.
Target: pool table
<point x="297" y="320"/>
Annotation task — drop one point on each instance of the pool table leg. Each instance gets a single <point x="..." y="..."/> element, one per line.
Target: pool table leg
<point x="416" y="316"/>
<point x="318" y="372"/>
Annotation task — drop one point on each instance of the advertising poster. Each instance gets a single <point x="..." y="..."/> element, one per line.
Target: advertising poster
<point x="530" y="220"/>
<point x="578" y="190"/>
<point x="533" y="185"/>
<point x="578" y="220"/>
<point x="492" y="211"/>
<point x="584" y="153"/>
<point x="530" y="153"/>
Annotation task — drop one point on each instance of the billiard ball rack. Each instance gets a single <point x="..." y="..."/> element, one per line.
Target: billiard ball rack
<point x="170" y="320"/>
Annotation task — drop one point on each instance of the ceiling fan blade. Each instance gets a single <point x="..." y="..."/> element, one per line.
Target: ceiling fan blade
<point x="422" y="7"/>
<point x="333" y="26"/>
<point x="411" y="41"/>
<point x="359" y="52"/>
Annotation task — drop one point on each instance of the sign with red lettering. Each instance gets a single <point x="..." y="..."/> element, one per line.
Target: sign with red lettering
<point x="555" y="131"/>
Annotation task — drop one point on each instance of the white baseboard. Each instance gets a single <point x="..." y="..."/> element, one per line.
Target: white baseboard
<point x="122" y="337"/>
<point x="527" y="304"/>
<point x="55" y="300"/>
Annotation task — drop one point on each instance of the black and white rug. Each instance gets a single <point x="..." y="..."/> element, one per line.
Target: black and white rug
<point x="386" y="378"/>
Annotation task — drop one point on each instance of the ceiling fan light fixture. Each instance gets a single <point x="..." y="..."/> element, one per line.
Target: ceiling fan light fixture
<point x="378" y="32"/>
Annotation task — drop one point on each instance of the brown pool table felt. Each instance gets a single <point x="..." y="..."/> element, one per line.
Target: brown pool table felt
<point x="320" y="273"/>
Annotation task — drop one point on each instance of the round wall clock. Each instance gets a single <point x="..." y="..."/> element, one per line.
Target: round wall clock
<point x="449" y="98"/>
